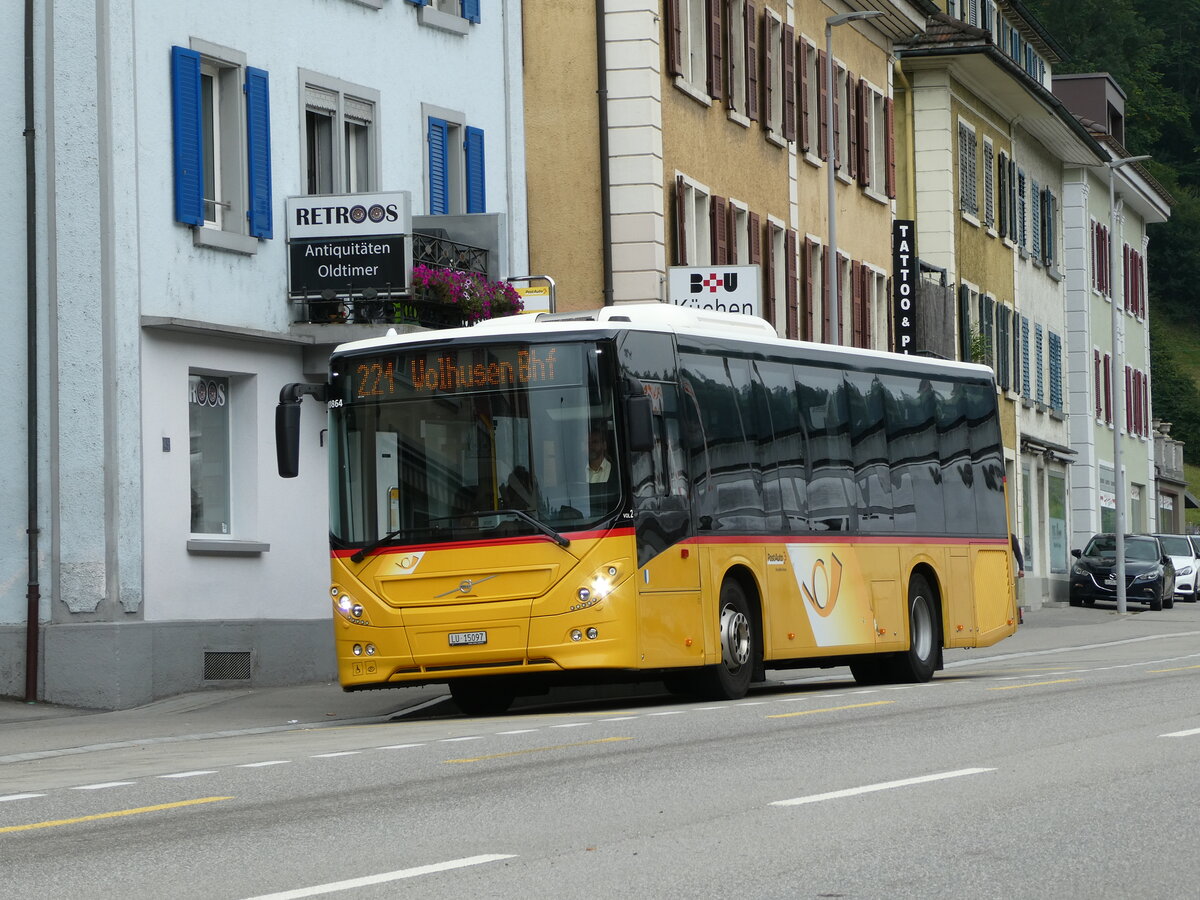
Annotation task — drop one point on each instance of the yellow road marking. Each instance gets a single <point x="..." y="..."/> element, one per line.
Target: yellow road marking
<point x="1013" y="687"/>
<point x="111" y="815"/>
<point x="809" y="712"/>
<point x="538" y="750"/>
<point x="1180" y="669"/>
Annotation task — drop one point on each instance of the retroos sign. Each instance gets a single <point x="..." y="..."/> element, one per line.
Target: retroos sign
<point x="347" y="243"/>
<point x="722" y="288"/>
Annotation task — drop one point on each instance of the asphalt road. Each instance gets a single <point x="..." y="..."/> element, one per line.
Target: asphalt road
<point x="1060" y="770"/>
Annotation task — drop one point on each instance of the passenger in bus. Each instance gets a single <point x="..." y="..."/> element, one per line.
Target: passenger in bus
<point x="521" y="491"/>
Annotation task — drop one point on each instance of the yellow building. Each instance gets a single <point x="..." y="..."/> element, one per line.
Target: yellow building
<point x="694" y="133"/>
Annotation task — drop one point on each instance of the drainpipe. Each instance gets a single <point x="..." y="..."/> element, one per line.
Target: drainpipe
<point x="605" y="202"/>
<point x="33" y="593"/>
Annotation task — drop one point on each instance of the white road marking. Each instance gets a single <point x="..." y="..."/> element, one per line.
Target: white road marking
<point x="100" y="787"/>
<point x="399" y="746"/>
<point x="571" y="725"/>
<point x="332" y="755"/>
<point x="1187" y="733"/>
<point x="619" y="719"/>
<point x="666" y="712"/>
<point x="527" y="730"/>
<point x="190" y="774"/>
<point x="20" y="797"/>
<point x="883" y="786"/>
<point x="384" y="878"/>
<point x="473" y="737"/>
<point x="268" y="762"/>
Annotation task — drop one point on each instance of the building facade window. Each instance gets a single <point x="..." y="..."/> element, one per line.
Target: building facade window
<point x="1039" y="365"/>
<point x="989" y="185"/>
<point x="693" y="236"/>
<point x="456" y="165"/>
<point x="222" y="146"/>
<point x="1022" y="223"/>
<point x="1056" y="373"/>
<point x="968" y="194"/>
<point x="689" y="55"/>
<point x="340" y="150"/>
<point x="209" y="431"/>
<point x="735" y="53"/>
<point x="450" y="15"/>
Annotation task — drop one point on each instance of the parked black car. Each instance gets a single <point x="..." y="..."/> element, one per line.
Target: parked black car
<point x="1149" y="572"/>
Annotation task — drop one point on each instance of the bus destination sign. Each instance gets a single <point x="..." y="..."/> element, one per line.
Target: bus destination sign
<point x="442" y="371"/>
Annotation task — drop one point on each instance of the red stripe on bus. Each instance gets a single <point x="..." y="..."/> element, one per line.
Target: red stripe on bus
<point x="840" y="539"/>
<point x="497" y="542"/>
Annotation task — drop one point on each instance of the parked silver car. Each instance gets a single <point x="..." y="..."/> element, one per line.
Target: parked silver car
<point x="1183" y="554"/>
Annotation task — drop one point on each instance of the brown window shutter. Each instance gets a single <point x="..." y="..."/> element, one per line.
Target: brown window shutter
<point x="719" y="221"/>
<point x="1126" y="291"/>
<point x="802" y="90"/>
<point x="755" y="229"/>
<point x="889" y="130"/>
<point x="856" y="316"/>
<point x="790" y="287"/>
<point x="891" y="333"/>
<point x="731" y="245"/>
<point x="866" y="108"/>
<point x="673" y="26"/>
<point x="767" y="52"/>
<point x="822" y="107"/>
<point x="680" y="223"/>
<point x="838" y="72"/>
<point x="716" y="55"/>
<point x="868" y="312"/>
<point x="810" y="300"/>
<point x="852" y="145"/>
<point x="1096" y="379"/>
<point x="751" y="61"/>
<point x="789" y="83"/>
<point x="838" y="329"/>
<point x="768" y="270"/>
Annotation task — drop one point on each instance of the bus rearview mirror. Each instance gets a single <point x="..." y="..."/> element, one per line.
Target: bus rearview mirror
<point x="639" y="418"/>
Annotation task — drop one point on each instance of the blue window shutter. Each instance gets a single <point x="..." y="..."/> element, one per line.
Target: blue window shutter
<point x="473" y="150"/>
<point x="470" y="10"/>
<point x="439" y="182"/>
<point x="188" y="136"/>
<point x="258" y="152"/>
<point x="419" y="2"/>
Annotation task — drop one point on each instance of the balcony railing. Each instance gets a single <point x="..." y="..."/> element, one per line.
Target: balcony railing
<point x="439" y="252"/>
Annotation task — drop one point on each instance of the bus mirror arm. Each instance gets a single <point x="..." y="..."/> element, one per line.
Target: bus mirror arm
<point x="287" y="425"/>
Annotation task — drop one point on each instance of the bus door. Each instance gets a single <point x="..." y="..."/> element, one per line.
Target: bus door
<point x="670" y="620"/>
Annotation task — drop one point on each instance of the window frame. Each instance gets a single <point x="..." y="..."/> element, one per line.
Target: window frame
<point x="343" y="94"/>
<point x="465" y="169"/>
<point x="968" y="171"/>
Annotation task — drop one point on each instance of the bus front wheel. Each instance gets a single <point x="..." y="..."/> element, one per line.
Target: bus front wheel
<point x="482" y="696"/>
<point x="730" y="679"/>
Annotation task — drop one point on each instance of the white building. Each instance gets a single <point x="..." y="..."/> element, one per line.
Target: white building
<point x="167" y="553"/>
<point x="1110" y="381"/>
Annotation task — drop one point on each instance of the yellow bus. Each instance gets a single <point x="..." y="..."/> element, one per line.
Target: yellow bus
<point x="651" y="492"/>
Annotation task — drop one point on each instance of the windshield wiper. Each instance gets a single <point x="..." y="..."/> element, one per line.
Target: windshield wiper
<point x="561" y="540"/>
<point x="357" y="555"/>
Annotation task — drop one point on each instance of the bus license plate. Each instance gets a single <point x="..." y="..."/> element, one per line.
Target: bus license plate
<point x="461" y="638"/>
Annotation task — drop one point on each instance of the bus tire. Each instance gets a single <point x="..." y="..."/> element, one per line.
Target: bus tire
<point x="869" y="670"/>
<point x="919" y="661"/>
<point x="482" y="696"/>
<point x="730" y="679"/>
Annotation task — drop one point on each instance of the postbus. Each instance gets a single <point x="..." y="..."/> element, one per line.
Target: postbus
<point x="651" y="492"/>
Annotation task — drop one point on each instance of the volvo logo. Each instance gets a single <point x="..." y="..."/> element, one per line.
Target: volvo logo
<point x="465" y="587"/>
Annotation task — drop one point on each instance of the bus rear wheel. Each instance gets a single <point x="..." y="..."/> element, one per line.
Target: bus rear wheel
<point x="730" y="679"/>
<point x="919" y="661"/>
<point x="482" y="696"/>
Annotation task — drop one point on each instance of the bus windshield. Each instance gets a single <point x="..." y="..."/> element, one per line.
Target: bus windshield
<point x="444" y="443"/>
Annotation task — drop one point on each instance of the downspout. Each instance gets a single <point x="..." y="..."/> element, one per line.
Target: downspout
<point x="605" y="177"/>
<point x="33" y="593"/>
<point x="910" y="177"/>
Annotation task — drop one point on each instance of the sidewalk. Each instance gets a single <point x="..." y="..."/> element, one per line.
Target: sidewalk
<point x="31" y="730"/>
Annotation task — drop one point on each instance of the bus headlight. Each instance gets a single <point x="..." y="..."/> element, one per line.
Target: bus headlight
<point x="349" y="608"/>
<point x="602" y="583"/>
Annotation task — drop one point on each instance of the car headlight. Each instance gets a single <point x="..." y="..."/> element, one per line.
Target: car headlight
<point x="1147" y="576"/>
<point x="1078" y="569"/>
<point x="1184" y="570"/>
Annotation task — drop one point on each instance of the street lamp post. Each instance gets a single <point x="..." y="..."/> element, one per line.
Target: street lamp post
<point x="1117" y="377"/>
<point x="831" y="251"/>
